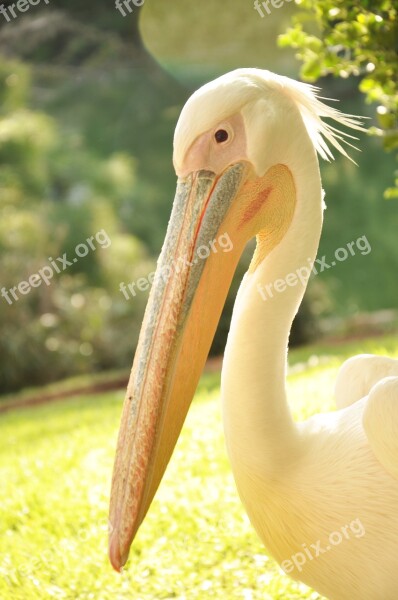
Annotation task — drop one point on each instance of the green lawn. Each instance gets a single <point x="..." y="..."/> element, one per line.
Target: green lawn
<point x="196" y="542"/>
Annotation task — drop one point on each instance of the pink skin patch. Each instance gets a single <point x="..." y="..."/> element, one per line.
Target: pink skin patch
<point x="205" y="153"/>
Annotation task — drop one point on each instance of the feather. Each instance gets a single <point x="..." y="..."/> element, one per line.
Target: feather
<point x="313" y="111"/>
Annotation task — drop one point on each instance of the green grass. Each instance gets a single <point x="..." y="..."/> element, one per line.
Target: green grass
<point x="66" y="386"/>
<point x="196" y="542"/>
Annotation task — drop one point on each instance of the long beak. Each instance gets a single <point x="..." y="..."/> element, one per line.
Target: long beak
<point x="189" y="290"/>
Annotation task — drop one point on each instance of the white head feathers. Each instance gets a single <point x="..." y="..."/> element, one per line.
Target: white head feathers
<point x="227" y="94"/>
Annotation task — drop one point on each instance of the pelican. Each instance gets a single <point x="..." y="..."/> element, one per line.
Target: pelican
<point x="245" y="153"/>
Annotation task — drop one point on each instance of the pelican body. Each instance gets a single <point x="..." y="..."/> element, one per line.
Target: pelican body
<point x="245" y="153"/>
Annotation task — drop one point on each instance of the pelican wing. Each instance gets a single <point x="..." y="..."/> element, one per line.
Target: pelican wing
<point x="380" y="421"/>
<point x="359" y="374"/>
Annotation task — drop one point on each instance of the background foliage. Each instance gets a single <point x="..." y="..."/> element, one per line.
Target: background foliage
<point x="86" y="124"/>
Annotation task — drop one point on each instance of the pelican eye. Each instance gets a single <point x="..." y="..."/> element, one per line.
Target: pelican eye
<point x="221" y="136"/>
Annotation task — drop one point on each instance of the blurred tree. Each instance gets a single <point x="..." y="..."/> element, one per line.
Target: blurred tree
<point x="54" y="194"/>
<point x="86" y="127"/>
<point x="347" y="37"/>
<point x="70" y="33"/>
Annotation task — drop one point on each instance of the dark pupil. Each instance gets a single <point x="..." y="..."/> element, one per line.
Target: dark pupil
<point x="221" y="136"/>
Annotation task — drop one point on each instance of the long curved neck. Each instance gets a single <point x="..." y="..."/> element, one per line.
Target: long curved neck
<point x="259" y="428"/>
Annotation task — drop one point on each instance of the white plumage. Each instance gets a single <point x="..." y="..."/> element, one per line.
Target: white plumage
<point x="300" y="482"/>
<point x="359" y="374"/>
<point x="304" y="485"/>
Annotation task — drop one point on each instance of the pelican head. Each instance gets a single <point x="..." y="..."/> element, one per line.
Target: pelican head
<point x="233" y="143"/>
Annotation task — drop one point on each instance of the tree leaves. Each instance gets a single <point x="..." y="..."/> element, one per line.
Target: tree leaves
<point x="345" y="38"/>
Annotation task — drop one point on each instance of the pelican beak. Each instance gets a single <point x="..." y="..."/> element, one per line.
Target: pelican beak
<point x="191" y="283"/>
